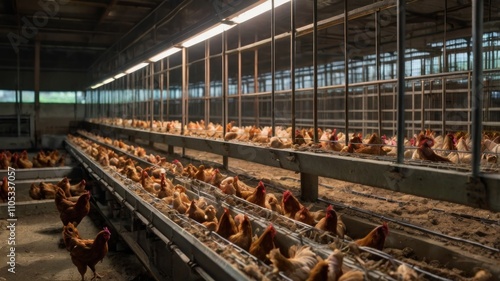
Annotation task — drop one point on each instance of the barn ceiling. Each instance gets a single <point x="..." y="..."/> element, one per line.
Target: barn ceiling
<point x="99" y="35"/>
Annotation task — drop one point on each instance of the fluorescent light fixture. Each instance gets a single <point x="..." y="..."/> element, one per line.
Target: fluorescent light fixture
<point x="136" y="67"/>
<point x="96" y="86"/>
<point x="165" y="54"/>
<point x="119" y="75"/>
<point x="218" y="29"/>
<point x="108" y="80"/>
<point x="257" y="10"/>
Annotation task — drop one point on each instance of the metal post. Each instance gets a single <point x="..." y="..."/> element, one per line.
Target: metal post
<point x="273" y="66"/>
<point x="346" y="75"/>
<point x="225" y="162"/>
<point x="477" y="86"/>
<point x="184" y="94"/>
<point x="443" y="106"/>
<point x="315" y="69"/>
<point x="239" y="79"/>
<point x="207" y="82"/>
<point x="152" y="93"/>
<point x="37" y="92"/>
<point x="377" y="66"/>
<point x="445" y="27"/>
<point x="160" y="78"/>
<point x="292" y="63"/>
<point x="401" y="80"/>
<point x="256" y="85"/>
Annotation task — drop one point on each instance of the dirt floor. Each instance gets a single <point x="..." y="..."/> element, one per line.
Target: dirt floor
<point x="40" y="257"/>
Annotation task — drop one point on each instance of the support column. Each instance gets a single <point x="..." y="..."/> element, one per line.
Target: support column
<point x="477" y="84"/>
<point x="308" y="187"/>
<point x="401" y="80"/>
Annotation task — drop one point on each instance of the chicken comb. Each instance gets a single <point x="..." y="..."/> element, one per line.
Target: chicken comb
<point x="106" y="230"/>
<point x="329" y="208"/>
<point x="385" y="226"/>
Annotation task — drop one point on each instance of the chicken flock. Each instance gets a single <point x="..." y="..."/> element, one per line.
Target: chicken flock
<point x="427" y="146"/>
<point x="73" y="204"/>
<point x="298" y="262"/>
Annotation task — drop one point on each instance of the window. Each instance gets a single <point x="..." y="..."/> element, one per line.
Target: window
<point x="57" y="97"/>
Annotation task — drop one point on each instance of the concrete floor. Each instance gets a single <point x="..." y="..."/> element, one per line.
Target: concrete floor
<point x="40" y="257"/>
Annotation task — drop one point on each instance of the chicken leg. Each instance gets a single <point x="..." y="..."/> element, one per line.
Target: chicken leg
<point x="96" y="275"/>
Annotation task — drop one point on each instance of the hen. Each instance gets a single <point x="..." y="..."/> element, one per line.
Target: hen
<point x="376" y="237"/>
<point x="78" y="211"/>
<point x="243" y="238"/>
<point x="226" y="226"/>
<point x="332" y="223"/>
<point x="304" y="216"/>
<point x="64" y="184"/>
<point x="23" y="161"/>
<point x="78" y="189"/>
<point x="290" y="205"/>
<point x="62" y="202"/>
<point x="258" y="197"/>
<point x="329" y="269"/>
<point x="89" y="252"/>
<point x="298" y="266"/>
<point x="196" y="213"/>
<point x="264" y="244"/>
<point x="425" y="152"/>
<point x="4" y="191"/>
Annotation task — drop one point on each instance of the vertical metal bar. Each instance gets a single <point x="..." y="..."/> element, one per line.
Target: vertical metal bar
<point x="167" y="73"/>
<point x="256" y="85"/>
<point x="443" y="105"/>
<point x="292" y="64"/>
<point x="207" y="82"/>
<point x="239" y="78"/>
<point x="401" y="79"/>
<point x="160" y="81"/>
<point x="225" y="159"/>
<point x="445" y="28"/>
<point x="377" y="66"/>
<point x="37" y="91"/>
<point x="315" y="69"/>
<point x="477" y="85"/>
<point x="273" y="66"/>
<point x="152" y="93"/>
<point x="18" y="90"/>
<point x="184" y="91"/>
<point x="346" y="74"/>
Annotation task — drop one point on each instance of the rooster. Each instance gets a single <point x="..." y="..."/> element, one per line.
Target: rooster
<point x="89" y="252"/>
<point x="298" y="266"/>
<point x="77" y="212"/>
<point x="331" y="223"/>
<point x="243" y="238"/>
<point x="265" y="243"/>
<point x="290" y="205"/>
<point x="376" y="238"/>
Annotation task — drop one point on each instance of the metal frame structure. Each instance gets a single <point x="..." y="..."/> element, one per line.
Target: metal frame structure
<point x="432" y="94"/>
